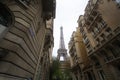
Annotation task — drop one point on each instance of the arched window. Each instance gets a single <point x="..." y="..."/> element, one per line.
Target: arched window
<point x="5" y="18"/>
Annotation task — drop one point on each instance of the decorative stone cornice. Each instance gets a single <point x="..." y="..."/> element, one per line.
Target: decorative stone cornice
<point x="49" y="8"/>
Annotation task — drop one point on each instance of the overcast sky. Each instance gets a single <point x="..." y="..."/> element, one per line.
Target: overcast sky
<point x="67" y="13"/>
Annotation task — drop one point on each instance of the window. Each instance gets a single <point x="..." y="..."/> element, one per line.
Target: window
<point x="105" y="55"/>
<point x="97" y="42"/>
<point x="91" y="18"/>
<point x="108" y="32"/>
<point x="94" y="13"/>
<point x="85" y="40"/>
<point x="81" y="29"/>
<point x="29" y="79"/>
<point x="102" y="37"/>
<point x="116" y="47"/>
<point x="112" y="50"/>
<point x="89" y="48"/>
<point x="5" y="19"/>
<point x="93" y="34"/>
<point x="101" y="75"/>
<point x="103" y="23"/>
<point x="95" y="61"/>
<point x="90" y="76"/>
<point x="96" y="30"/>
<point x="99" y="25"/>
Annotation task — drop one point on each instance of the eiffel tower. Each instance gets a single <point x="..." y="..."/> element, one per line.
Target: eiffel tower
<point x="62" y="51"/>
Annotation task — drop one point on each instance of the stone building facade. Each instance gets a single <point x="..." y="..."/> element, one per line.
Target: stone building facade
<point x="26" y="39"/>
<point x="100" y="29"/>
<point x="78" y="55"/>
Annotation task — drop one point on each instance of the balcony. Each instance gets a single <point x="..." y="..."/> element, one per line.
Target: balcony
<point x="111" y="59"/>
<point x="117" y="30"/>
<point x="86" y="40"/>
<point x="98" y="44"/>
<point x="81" y="29"/>
<point x="107" y="41"/>
<point x="91" y="11"/>
<point x="89" y="49"/>
<point x="87" y="22"/>
<point x="91" y="20"/>
<point x="115" y="50"/>
<point x="91" y="6"/>
<point x="108" y="33"/>
<point x="94" y="13"/>
<point x="102" y="38"/>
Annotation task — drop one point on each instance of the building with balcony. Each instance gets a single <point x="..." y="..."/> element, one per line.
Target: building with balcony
<point x="26" y="39"/>
<point x="78" y="55"/>
<point x="100" y="29"/>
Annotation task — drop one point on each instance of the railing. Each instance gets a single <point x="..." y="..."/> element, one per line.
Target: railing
<point x="113" y="34"/>
<point x="111" y="59"/>
<point x="107" y="59"/>
<point x="117" y="30"/>
<point x="90" y="51"/>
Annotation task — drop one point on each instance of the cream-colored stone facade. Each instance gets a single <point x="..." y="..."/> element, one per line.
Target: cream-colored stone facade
<point x="100" y="30"/>
<point x="26" y="39"/>
<point x="78" y="55"/>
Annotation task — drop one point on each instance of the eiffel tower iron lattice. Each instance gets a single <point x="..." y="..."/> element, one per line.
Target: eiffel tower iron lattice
<point x="62" y="51"/>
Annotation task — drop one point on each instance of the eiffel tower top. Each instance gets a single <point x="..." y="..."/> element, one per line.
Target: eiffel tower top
<point x="62" y="44"/>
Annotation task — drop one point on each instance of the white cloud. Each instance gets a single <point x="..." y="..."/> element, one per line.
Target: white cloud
<point x="67" y="13"/>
